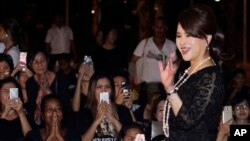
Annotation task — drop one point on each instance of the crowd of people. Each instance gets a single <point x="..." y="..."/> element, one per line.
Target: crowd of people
<point x="110" y="95"/>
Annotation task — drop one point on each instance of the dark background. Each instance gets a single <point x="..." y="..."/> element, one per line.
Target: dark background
<point x="35" y="17"/>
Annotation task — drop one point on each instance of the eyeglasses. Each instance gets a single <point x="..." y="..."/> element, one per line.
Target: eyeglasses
<point x="36" y="62"/>
<point x="241" y="107"/>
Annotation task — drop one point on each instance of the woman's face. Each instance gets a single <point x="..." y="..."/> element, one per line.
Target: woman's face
<point x="52" y="110"/>
<point x="241" y="111"/>
<point x="191" y="48"/>
<point x="118" y="83"/>
<point x="5" y="90"/>
<point x="4" y="70"/>
<point x="39" y="64"/>
<point x="131" y="134"/>
<point x="103" y="85"/>
<point x="159" y="111"/>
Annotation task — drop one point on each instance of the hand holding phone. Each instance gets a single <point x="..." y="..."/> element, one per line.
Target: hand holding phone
<point x="227" y="114"/>
<point x="23" y="56"/>
<point x="13" y="93"/>
<point x="126" y="88"/>
<point x="104" y="96"/>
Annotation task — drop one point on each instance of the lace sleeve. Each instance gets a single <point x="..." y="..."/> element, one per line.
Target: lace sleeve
<point x="197" y="97"/>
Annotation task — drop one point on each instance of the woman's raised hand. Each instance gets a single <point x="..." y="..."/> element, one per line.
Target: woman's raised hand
<point x="167" y="74"/>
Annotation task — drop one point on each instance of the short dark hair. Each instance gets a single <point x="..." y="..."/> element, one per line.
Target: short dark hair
<point x="133" y="125"/>
<point x="14" y="81"/>
<point x="49" y="97"/>
<point x="8" y="59"/>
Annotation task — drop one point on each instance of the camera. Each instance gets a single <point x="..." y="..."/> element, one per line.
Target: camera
<point x="13" y="93"/>
<point x="126" y="88"/>
<point x="227" y="113"/>
<point x="88" y="60"/>
<point x="104" y="96"/>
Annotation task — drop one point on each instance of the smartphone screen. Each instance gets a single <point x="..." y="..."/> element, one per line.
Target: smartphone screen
<point x="13" y="93"/>
<point x="104" y="96"/>
<point x="227" y="113"/>
<point x="23" y="56"/>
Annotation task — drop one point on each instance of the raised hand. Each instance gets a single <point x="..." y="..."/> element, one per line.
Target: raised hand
<point x="119" y="97"/>
<point x="85" y="72"/>
<point x="55" y="129"/>
<point x="109" y="113"/>
<point x="100" y="113"/>
<point x="6" y="108"/>
<point x="17" y="105"/>
<point x="167" y="74"/>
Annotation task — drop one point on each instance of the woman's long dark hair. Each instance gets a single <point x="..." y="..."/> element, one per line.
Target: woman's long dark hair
<point x="91" y="102"/>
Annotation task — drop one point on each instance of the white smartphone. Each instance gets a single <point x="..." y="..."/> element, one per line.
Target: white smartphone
<point x="104" y="96"/>
<point x="13" y="93"/>
<point x="227" y="113"/>
<point x="23" y="56"/>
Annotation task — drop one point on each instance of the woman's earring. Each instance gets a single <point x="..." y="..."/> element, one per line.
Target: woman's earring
<point x="6" y="35"/>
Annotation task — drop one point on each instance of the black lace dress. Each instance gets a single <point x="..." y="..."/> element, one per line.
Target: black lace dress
<point x="198" y="118"/>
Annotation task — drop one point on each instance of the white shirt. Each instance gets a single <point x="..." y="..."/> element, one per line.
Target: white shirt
<point x="148" y="49"/>
<point x="14" y="52"/>
<point x="59" y="39"/>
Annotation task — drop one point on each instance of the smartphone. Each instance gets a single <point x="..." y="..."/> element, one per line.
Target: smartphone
<point x="227" y="113"/>
<point x="87" y="60"/>
<point x="13" y="93"/>
<point x="104" y="96"/>
<point x="125" y="87"/>
<point x="23" y="56"/>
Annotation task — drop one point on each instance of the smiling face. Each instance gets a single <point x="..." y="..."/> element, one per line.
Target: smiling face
<point x="39" y="64"/>
<point x="131" y="134"/>
<point x="159" y="111"/>
<point x="241" y="111"/>
<point x="52" y="110"/>
<point x="4" y="70"/>
<point x="191" y="48"/>
<point x="103" y="85"/>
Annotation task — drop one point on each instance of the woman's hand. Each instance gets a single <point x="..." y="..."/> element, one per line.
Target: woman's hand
<point x="21" y="66"/>
<point x="167" y="74"/>
<point x="224" y="127"/>
<point x="128" y="103"/>
<point x="119" y="98"/>
<point x="109" y="113"/>
<point x="7" y="108"/>
<point x="223" y="130"/>
<point x="17" y="105"/>
<point x="54" y="133"/>
<point x="100" y="113"/>
<point x="85" y="72"/>
<point x="56" y="128"/>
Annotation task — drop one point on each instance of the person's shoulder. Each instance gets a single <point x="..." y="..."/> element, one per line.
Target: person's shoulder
<point x="67" y="27"/>
<point x="169" y="41"/>
<point x="15" y="49"/>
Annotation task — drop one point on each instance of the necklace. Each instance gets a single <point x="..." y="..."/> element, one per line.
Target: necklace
<point x="177" y="85"/>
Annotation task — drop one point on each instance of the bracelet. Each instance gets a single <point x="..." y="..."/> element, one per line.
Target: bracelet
<point x="171" y="92"/>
